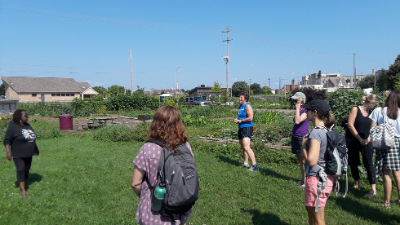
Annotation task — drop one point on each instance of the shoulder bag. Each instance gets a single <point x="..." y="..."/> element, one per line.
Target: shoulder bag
<point x="382" y="135"/>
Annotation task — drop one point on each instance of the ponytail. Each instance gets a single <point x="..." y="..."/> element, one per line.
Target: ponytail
<point x="330" y="120"/>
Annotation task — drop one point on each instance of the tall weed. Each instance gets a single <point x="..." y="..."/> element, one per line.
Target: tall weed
<point x="117" y="133"/>
<point x="267" y="117"/>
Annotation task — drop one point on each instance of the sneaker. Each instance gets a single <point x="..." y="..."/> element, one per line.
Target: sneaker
<point x="245" y="165"/>
<point x="254" y="167"/>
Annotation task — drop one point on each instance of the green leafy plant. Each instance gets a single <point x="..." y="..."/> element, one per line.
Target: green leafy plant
<point x="341" y="102"/>
<point x="267" y="117"/>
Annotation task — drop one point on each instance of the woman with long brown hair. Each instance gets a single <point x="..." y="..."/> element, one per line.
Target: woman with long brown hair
<point x="166" y="127"/>
<point x="387" y="161"/>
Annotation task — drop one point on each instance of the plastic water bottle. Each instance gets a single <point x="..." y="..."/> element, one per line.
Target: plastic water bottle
<point x="158" y="198"/>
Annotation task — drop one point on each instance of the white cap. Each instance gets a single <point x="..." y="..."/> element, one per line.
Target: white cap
<point x="298" y="95"/>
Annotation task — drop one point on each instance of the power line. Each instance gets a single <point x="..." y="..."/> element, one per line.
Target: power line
<point x="368" y="59"/>
<point x="117" y="72"/>
<point x="267" y="40"/>
<point x="97" y="19"/>
<point x="107" y="68"/>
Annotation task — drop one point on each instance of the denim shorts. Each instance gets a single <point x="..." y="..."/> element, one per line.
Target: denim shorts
<point x="297" y="143"/>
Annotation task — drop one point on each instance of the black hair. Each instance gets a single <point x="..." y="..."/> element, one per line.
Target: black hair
<point x="18" y="115"/>
<point x="245" y="95"/>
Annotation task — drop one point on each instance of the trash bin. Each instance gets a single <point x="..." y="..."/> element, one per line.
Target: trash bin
<point x="66" y="122"/>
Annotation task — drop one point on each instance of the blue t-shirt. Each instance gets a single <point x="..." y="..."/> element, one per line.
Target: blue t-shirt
<point x="242" y="114"/>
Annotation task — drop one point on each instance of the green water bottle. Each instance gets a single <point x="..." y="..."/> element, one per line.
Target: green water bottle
<point x="158" y="197"/>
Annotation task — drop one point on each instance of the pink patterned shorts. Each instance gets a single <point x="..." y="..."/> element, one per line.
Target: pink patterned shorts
<point x="311" y="190"/>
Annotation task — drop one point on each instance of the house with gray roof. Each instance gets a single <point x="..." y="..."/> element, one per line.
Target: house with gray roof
<point x="46" y="89"/>
<point x="330" y="81"/>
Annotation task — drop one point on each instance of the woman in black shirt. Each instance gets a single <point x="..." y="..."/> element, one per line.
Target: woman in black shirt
<point x="22" y="140"/>
<point x="359" y="125"/>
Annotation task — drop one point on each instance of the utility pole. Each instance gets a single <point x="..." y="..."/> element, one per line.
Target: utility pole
<point x="279" y="90"/>
<point x="249" y="87"/>
<point x="226" y="58"/>
<point x="354" y="70"/>
<point x="269" y="81"/>
<point x="373" y="74"/>
<point x="130" y="54"/>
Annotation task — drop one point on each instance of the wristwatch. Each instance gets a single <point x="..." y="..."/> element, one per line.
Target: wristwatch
<point x="240" y="121"/>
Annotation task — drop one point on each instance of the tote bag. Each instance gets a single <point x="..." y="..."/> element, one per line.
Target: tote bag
<point x="382" y="135"/>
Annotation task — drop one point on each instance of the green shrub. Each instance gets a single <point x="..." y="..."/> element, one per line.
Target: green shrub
<point x="141" y="132"/>
<point x="114" y="134"/>
<point x="51" y="109"/>
<point x="341" y="102"/>
<point x="188" y="120"/>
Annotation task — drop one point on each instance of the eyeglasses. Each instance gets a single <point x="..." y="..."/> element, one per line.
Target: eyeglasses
<point x="26" y="115"/>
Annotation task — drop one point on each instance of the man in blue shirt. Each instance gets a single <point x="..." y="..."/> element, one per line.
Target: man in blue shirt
<point x="245" y="132"/>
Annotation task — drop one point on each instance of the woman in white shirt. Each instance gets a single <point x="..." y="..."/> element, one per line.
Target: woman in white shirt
<point x="387" y="161"/>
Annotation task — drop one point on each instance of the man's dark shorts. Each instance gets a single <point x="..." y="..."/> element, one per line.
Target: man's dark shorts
<point x="297" y="142"/>
<point x="245" y="132"/>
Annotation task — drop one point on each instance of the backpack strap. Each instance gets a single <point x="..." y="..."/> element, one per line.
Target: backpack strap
<point x="156" y="141"/>
<point x="323" y="180"/>
<point x="383" y="114"/>
<point x="161" y="170"/>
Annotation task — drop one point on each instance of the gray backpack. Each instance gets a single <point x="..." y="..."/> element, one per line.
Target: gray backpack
<point x="336" y="162"/>
<point x="177" y="170"/>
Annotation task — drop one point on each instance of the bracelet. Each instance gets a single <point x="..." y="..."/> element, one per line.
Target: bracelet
<point x="240" y="121"/>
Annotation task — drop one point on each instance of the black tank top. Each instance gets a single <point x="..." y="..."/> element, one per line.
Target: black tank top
<point x="362" y="124"/>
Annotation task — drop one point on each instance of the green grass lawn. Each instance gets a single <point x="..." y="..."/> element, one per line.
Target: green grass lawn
<point x="76" y="180"/>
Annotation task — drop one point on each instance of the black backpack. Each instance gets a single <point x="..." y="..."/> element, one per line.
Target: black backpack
<point x="179" y="173"/>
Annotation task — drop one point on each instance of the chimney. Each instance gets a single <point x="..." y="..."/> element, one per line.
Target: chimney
<point x="292" y="87"/>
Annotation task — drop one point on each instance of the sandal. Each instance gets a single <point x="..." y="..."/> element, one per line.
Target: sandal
<point x="384" y="204"/>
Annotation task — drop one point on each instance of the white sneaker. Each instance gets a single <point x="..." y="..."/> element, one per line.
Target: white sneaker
<point x="245" y="165"/>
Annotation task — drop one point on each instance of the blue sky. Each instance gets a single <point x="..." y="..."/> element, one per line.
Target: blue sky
<point x="90" y="40"/>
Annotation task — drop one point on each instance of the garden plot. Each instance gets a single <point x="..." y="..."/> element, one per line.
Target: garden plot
<point x="271" y="127"/>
